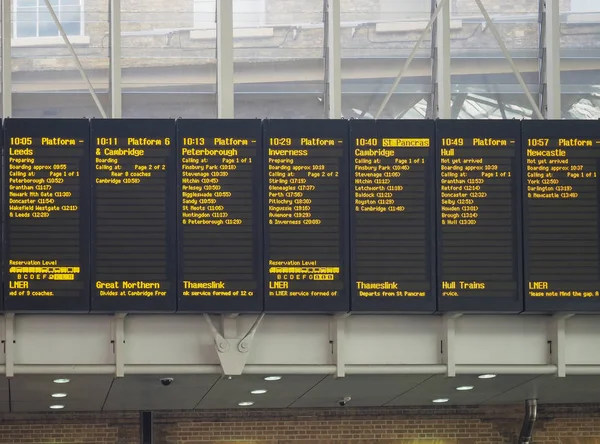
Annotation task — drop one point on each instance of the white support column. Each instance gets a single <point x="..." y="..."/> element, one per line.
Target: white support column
<point x="448" y="344"/>
<point x="558" y="342"/>
<point x="333" y="60"/>
<point x="442" y="74"/>
<point x="116" y="99"/>
<point x="6" y="58"/>
<point x="118" y="340"/>
<point x="225" y="85"/>
<point x="552" y="90"/>
<point x="337" y="336"/>
<point x="9" y="344"/>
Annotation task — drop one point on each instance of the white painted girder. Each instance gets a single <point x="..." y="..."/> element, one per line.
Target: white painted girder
<point x="297" y="344"/>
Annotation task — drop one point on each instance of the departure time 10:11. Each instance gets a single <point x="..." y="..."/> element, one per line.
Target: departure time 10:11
<point x="107" y="141"/>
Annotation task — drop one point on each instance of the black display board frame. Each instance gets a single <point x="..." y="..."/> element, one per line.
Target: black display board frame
<point x="160" y="128"/>
<point x="37" y="128"/>
<point x="501" y="129"/>
<point x="294" y="129"/>
<point x="420" y="129"/>
<point x="238" y="128"/>
<point x="546" y="129"/>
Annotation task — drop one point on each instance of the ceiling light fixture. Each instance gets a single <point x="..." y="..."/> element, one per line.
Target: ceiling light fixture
<point x="57" y="407"/>
<point x="258" y="392"/>
<point x="440" y="400"/>
<point x="61" y="381"/>
<point x="59" y="395"/>
<point x="487" y="376"/>
<point x="272" y="378"/>
<point x="464" y="388"/>
<point x="245" y="403"/>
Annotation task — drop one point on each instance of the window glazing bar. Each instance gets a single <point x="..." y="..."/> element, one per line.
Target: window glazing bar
<point x="552" y="88"/>
<point x="225" y="84"/>
<point x="442" y="64"/>
<point x="6" y="58"/>
<point x="116" y="98"/>
<point x="84" y="76"/>
<point x="333" y="59"/>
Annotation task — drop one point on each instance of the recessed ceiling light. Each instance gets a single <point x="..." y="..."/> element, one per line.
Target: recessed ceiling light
<point x="258" y="392"/>
<point x="488" y="376"/>
<point x="57" y="407"/>
<point x="61" y="381"/>
<point x="463" y="388"/>
<point x="440" y="400"/>
<point x="245" y="403"/>
<point x="272" y="378"/>
<point x="59" y="395"/>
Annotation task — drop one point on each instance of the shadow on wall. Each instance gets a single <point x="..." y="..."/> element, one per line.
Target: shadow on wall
<point x="427" y="441"/>
<point x="396" y="441"/>
<point x="579" y="441"/>
<point x="388" y="441"/>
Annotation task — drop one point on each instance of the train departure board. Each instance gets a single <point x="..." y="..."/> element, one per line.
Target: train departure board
<point x="479" y="216"/>
<point x="46" y="215"/>
<point x="306" y="215"/>
<point x="561" y="220"/>
<point x="392" y="215"/>
<point x="220" y="215"/>
<point x="134" y="215"/>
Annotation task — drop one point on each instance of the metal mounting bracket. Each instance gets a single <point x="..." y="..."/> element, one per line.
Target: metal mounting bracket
<point x="9" y="344"/>
<point x="232" y="359"/>
<point x="558" y="342"/>
<point x="118" y="343"/>
<point x="337" y="338"/>
<point x="448" y="342"/>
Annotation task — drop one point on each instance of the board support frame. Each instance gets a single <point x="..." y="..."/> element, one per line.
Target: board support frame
<point x="233" y="350"/>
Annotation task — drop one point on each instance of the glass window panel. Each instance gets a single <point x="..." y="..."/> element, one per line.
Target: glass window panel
<point x="169" y="63"/>
<point x="58" y="104"/>
<point x="484" y="85"/>
<point x="204" y="14"/>
<point x="46" y="82"/>
<point x="32" y="18"/>
<point x="26" y="26"/>
<point x="377" y="37"/>
<point x="490" y="106"/>
<point x="585" y="6"/>
<point x="248" y="13"/>
<point x="2" y="113"/>
<point x="46" y="26"/>
<point x="70" y="14"/>
<point x="279" y="66"/>
<point x="580" y="59"/>
<point x="72" y="28"/>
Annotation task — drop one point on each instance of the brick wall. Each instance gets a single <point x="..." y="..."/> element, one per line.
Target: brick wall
<point x="570" y="424"/>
